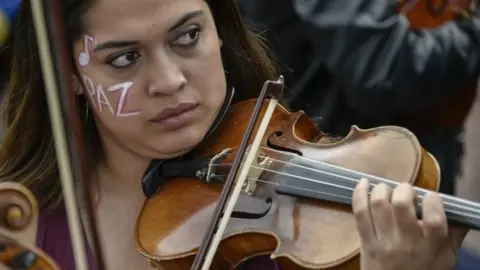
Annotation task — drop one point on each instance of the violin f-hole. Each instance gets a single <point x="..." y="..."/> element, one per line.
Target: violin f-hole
<point x="267" y="205"/>
<point x="436" y="10"/>
<point x="280" y="142"/>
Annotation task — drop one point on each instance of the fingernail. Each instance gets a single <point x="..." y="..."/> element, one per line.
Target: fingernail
<point x="363" y="181"/>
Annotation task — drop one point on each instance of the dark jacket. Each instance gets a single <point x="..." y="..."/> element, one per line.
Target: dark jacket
<point x="358" y="62"/>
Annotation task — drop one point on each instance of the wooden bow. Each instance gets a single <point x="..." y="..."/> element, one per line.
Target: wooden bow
<point x="67" y="130"/>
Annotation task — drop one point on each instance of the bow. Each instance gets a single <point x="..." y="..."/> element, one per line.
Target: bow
<point x="66" y="127"/>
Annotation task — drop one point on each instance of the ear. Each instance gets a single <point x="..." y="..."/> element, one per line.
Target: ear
<point x="76" y="85"/>
<point x="221" y="42"/>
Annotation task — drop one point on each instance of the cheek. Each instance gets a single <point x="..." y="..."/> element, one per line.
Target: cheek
<point x="116" y="100"/>
<point x="209" y="72"/>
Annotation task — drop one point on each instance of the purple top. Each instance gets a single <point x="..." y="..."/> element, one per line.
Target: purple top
<point x="53" y="237"/>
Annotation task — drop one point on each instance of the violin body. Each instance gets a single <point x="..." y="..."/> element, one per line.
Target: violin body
<point x="432" y="13"/>
<point x="299" y="232"/>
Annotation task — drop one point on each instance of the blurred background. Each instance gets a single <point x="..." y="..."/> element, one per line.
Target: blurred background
<point x="8" y="12"/>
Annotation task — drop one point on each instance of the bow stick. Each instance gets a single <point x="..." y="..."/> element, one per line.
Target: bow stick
<point x="66" y="127"/>
<point x="231" y="190"/>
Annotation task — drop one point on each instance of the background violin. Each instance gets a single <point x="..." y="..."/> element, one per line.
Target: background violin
<point x="295" y="201"/>
<point x="18" y="219"/>
<point x="432" y="13"/>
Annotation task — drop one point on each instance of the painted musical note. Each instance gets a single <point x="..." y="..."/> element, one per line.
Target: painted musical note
<point x="84" y="57"/>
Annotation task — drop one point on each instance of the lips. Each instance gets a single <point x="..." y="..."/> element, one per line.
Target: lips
<point x="172" y="112"/>
<point x="175" y="118"/>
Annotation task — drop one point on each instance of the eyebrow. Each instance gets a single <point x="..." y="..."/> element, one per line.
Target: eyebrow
<point x="185" y="18"/>
<point x="121" y="44"/>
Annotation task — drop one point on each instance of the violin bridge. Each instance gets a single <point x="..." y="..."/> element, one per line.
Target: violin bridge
<point x="260" y="163"/>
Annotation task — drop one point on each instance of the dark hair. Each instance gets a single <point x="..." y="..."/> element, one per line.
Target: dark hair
<point x="27" y="154"/>
<point x="5" y="62"/>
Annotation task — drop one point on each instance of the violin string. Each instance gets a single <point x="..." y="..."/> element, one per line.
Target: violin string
<point x="361" y="174"/>
<point x="473" y="208"/>
<point x="350" y="198"/>
<point x="419" y="196"/>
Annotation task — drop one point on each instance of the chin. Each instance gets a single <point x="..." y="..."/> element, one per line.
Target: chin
<point x="179" y="143"/>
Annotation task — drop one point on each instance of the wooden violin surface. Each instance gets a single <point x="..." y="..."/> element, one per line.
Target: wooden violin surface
<point x="299" y="233"/>
<point x="19" y="216"/>
<point x="432" y="13"/>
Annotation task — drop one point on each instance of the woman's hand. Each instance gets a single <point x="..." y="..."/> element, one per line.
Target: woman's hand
<point x="394" y="239"/>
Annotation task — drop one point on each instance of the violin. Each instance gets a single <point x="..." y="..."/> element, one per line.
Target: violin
<point x="290" y="197"/>
<point x="432" y="13"/>
<point x="19" y="215"/>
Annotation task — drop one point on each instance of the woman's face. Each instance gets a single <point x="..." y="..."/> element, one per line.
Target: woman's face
<point x="153" y="73"/>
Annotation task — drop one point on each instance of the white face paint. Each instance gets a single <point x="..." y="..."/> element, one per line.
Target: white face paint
<point x="84" y="56"/>
<point x="122" y="101"/>
<point x="97" y="93"/>
<point x="100" y="99"/>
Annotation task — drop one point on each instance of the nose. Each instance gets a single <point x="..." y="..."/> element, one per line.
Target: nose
<point x="166" y="76"/>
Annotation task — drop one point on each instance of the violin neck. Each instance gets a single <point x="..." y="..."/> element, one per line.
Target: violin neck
<point x="461" y="212"/>
<point x="335" y="184"/>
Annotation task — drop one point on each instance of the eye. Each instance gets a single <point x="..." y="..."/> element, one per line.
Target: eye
<point x="124" y="60"/>
<point x="189" y="38"/>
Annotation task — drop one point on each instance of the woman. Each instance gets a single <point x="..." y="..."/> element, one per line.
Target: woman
<point x="151" y="76"/>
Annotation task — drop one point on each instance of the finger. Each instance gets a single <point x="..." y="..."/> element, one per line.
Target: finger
<point x="434" y="220"/>
<point x="405" y="214"/>
<point x="361" y="210"/>
<point x="457" y="235"/>
<point x="382" y="211"/>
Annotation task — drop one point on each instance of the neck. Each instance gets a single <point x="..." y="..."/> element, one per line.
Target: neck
<point x="122" y="170"/>
<point x="317" y="180"/>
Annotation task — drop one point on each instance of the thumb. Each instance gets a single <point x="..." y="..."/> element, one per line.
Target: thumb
<point x="457" y="235"/>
